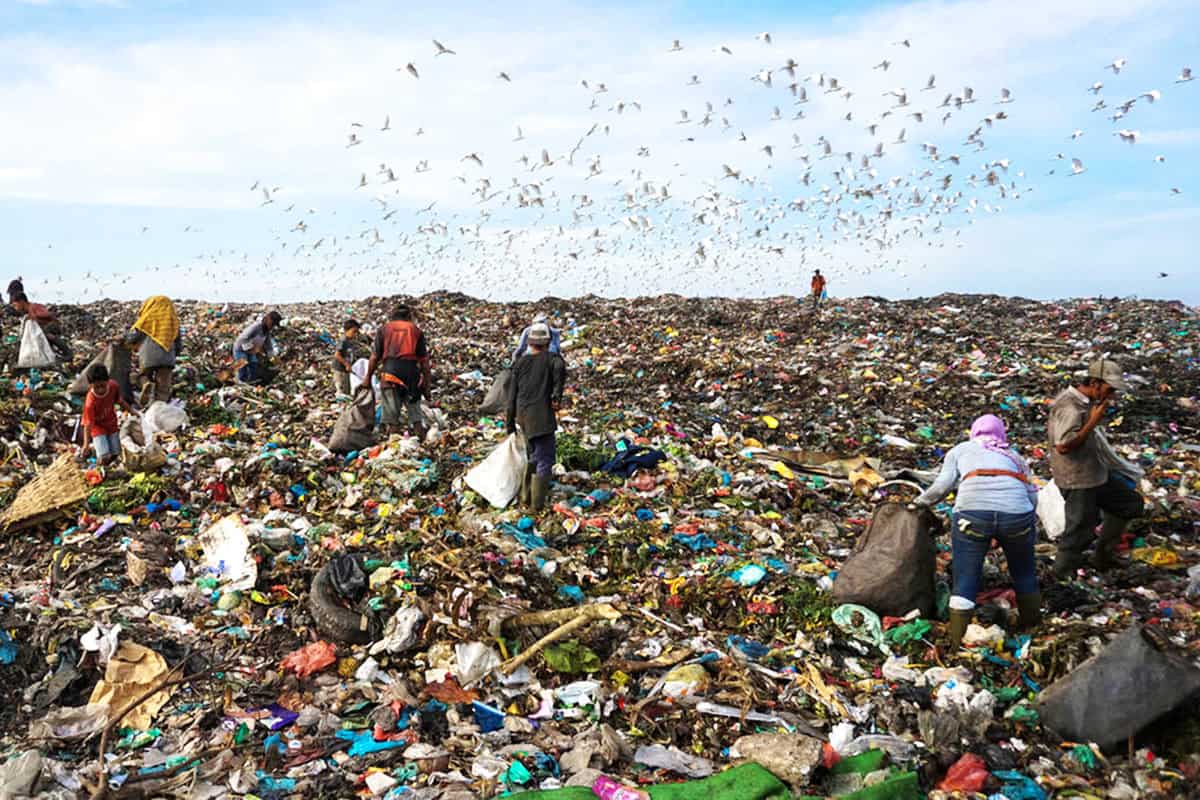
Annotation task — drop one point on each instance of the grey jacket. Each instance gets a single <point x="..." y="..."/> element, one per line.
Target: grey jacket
<point x="538" y="381"/>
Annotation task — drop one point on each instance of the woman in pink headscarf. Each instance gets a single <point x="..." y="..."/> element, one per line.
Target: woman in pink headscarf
<point x="995" y="500"/>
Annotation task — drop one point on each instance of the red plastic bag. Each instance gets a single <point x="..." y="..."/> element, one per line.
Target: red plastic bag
<point x="313" y="658"/>
<point x="968" y="774"/>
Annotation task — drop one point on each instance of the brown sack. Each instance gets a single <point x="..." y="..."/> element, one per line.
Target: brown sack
<point x="892" y="566"/>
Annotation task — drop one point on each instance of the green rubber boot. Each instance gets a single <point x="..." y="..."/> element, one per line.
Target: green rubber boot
<point x="539" y="491"/>
<point x="957" y="626"/>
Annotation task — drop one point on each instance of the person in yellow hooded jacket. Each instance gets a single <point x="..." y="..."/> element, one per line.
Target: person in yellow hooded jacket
<point x="156" y="335"/>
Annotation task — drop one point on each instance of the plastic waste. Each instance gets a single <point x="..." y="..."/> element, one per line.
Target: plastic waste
<point x="968" y="774"/>
<point x="498" y="478"/>
<point x="35" y="350"/>
<point x="674" y="760"/>
<point x="606" y="788"/>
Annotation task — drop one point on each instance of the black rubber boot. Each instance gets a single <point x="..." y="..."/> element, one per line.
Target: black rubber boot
<point x="1105" y="557"/>
<point x="1029" y="610"/>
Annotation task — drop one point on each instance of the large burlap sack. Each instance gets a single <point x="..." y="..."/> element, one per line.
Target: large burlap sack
<point x="891" y="569"/>
<point x="496" y="400"/>
<point x="118" y="363"/>
<point x="138" y="453"/>
<point x="355" y="428"/>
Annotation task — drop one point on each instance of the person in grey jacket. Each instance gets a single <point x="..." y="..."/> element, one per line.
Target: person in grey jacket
<point x="156" y="335"/>
<point x="538" y="380"/>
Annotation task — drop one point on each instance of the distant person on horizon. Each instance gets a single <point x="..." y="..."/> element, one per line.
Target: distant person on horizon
<point x="254" y="344"/>
<point x="818" y="290"/>
<point x="523" y="345"/>
<point x="402" y="358"/>
<point x="155" y="334"/>
<point x="1082" y="463"/>
<point x="46" y="319"/>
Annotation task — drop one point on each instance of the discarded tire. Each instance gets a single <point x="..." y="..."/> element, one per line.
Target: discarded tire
<point x="1119" y="691"/>
<point x="335" y="620"/>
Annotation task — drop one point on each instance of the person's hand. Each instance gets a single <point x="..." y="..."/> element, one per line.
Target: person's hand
<point x="1098" y="410"/>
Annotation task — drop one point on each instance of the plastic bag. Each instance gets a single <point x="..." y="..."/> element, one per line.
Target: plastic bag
<point x="498" y="477"/>
<point x="355" y="427"/>
<point x="162" y="417"/>
<point x="1052" y="510"/>
<point x="496" y="399"/>
<point x="35" y="347"/>
<point x="309" y="659"/>
<point x="968" y="774"/>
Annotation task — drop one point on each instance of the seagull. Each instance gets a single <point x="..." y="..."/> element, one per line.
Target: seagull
<point x="520" y="136"/>
<point x="362" y="182"/>
<point x="1128" y="136"/>
<point x="1153" y="95"/>
<point x="1185" y="75"/>
<point x="1176" y="191"/>
<point x="504" y="77"/>
<point x="442" y="50"/>
<point x="883" y="65"/>
<point x="472" y="157"/>
<point x="675" y="46"/>
<point x="1075" y="135"/>
<point x="1117" y="65"/>
<point x="730" y="172"/>
<point x="387" y="123"/>
<point x="1096" y="87"/>
<point x="1005" y="96"/>
<point x="1160" y="159"/>
<point x="904" y="42"/>
<point x="354" y="141"/>
<point x="267" y="199"/>
<point x="929" y="86"/>
<point x="764" y="37"/>
<point x="1077" y="167"/>
<point x="725" y="49"/>
<point x="694" y="81"/>
<point x="1163" y="275"/>
<point x="412" y="69"/>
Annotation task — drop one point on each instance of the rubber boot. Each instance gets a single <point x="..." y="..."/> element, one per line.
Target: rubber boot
<point x="539" y="490"/>
<point x="1029" y="610"/>
<point x="525" y="497"/>
<point x="1105" y="557"/>
<point x="957" y="626"/>
<point x="1065" y="564"/>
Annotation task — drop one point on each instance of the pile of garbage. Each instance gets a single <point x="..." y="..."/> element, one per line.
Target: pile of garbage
<point x="241" y="611"/>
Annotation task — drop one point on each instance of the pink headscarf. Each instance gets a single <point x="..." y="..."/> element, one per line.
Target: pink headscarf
<point x="990" y="432"/>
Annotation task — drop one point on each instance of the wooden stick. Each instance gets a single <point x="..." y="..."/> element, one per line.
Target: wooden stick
<point x="577" y="618"/>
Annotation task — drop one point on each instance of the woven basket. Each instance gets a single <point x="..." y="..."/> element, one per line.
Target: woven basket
<point x="58" y="486"/>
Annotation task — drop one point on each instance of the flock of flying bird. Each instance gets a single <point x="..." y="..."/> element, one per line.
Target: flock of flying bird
<point x="611" y="217"/>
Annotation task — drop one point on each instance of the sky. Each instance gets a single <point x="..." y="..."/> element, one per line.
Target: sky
<point x="141" y="136"/>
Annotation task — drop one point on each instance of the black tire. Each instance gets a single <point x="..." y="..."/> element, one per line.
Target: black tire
<point x="335" y="620"/>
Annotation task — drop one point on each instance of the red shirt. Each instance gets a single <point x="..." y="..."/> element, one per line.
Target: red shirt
<point x="101" y="412"/>
<point x="40" y="313"/>
<point x="818" y="284"/>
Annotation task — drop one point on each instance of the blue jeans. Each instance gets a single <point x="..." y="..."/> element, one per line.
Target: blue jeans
<point x="971" y="538"/>
<point x="249" y="372"/>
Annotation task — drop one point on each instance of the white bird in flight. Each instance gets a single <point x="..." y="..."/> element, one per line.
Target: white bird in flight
<point x="675" y="46"/>
<point x="1185" y="75"/>
<point x="1077" y="167"/>
<point x="1118" y="65"/>
<point x="1153" y="95"/>
<point x="412" y="69"/>
<point x="1128" y="136"/>
<point x="442" y="50"/>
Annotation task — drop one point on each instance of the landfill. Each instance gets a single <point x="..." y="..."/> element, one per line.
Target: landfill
<point x="240" y="611"/>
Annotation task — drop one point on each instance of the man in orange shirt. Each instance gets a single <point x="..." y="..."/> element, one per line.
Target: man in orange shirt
<point x="402" y="358"/>
<point x="818" y="290"/>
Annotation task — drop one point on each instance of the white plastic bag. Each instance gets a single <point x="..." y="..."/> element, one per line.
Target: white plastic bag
<point x="162" y="417"/>
<point x="1052" y="510"/>
<point x="35" y="347"/>
<point x="498" y="477"/>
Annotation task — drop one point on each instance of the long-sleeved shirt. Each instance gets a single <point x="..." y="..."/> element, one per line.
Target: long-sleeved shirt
<point x="538" y="380"/>
<point x="523" y="345"/>
<point x="982" y="493"/>
<point x="254" y="336"/>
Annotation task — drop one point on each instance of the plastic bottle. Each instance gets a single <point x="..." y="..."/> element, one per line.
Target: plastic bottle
<point x="608" y="789"/>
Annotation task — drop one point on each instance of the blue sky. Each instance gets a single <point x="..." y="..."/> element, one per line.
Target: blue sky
<point x="137" y="129"/>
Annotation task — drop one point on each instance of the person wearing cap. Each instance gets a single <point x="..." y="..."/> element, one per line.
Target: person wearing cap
<point x="555" y="345"/>
<point x="1080" y="461"/>
<point x="402" y="357"/>
<point x="155" y="333"/>
<point x="256" y="341"/>
<point x="538" y="381"/>
<point x="995" y="500"/>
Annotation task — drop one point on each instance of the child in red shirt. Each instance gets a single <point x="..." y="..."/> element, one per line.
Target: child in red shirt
<point x="100" y="415"/>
